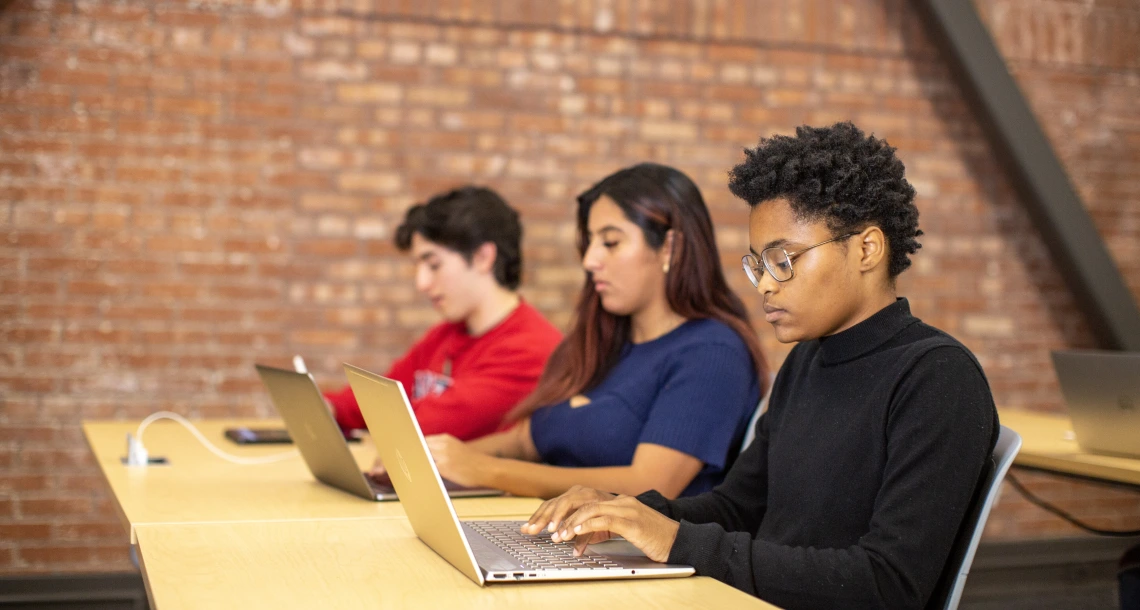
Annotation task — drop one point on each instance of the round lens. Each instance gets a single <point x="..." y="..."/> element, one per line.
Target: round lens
<point x="777" y="263"/>
<point x="750" y="265"/>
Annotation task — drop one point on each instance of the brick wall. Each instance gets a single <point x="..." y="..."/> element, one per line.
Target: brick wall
<point x="189" y="187"/>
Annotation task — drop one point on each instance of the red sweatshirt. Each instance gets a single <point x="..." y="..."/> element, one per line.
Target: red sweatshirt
<point x="463" y="385"/>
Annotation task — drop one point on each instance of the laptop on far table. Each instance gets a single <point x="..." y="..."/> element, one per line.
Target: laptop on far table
<point x="1102" y="391"/>
<point x="322" y="444"/>
<point x="487" y="552"/>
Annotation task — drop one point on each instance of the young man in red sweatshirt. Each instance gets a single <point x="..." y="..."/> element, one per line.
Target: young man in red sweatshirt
<point x="469" y="370"/>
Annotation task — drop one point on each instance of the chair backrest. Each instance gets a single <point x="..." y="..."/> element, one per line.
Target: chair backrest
<point x="750" y="431"/>
<point x="966" y="544"/>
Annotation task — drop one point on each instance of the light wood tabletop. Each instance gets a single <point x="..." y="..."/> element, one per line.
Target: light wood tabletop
<point x="198" y="486"/>
<point x="1048" y="444"/>
<point x="366" y="564"/>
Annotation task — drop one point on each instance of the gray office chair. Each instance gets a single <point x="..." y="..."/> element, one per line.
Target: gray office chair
<point x="750" y="431"/>
<point x="966" y="544"/>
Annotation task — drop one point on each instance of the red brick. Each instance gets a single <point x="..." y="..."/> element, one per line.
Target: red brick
<point x="16" y="122"/>
<point x="80" y="555"/>
<point x="108" y="531"/>
<point x="23" y="482"/>
<point x="95" y="288"/>
<point x="257" y="110"/>
<point x="184" y="199"/>
<point x="128" y="312"/>
<point x="301" y="180"/>
<point x="60" y="310"/>
<point x="187" y="62"/>
<point x="250" y="339"/>
<point x="75" y="124"/>
<point x="104" y="103"/>
<point x="212" y="315"/>
<point x="341" y="339"/>
<point x="29" y="287"/>
<point x="41" y="53"/>
<point x="89" y="77"/>
<point x="334" y="70"/>
<point x="136" y="267"/>
<point x="54" y="507"/>
<point x="437" y="96"/>
<point x="31" y="28"/>
<point x="256" y="245"/>
<point x="172" y="290"/>
<point x="261" y="66"/>
<point x="25" y="531"/>
<point x="50" y="359"/>
<point x="328" y="247"/>
<point x="37" y="146"/>
<point x="98" y="336"/>
<point x="185" y="106"/>
<point x="117" y="11"/>
<point x="186" y="18"/>
<point x="261" y="291"/>
<point x="147" y="127"/>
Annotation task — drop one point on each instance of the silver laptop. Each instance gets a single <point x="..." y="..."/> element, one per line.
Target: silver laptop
<point x="1102" y="390"/>
<point x="323" y="447"/>
<point x="485" y="551"/>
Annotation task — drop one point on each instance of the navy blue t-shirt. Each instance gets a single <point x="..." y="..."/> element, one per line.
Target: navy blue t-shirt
<point x="692" y="389"/>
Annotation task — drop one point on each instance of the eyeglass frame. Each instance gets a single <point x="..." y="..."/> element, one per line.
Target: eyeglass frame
<point x="750" y="270"/>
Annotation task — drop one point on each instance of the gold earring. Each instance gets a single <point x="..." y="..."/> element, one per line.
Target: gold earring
<point x="665" y="267"/>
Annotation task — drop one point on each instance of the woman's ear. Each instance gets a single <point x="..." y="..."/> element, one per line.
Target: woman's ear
<point x="872" y="248"/>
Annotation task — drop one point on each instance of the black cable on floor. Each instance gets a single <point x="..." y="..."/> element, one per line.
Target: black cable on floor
<point x="1064" y="515"/>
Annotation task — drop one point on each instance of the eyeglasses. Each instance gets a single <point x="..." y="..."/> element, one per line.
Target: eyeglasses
<point x="777" y="261"/>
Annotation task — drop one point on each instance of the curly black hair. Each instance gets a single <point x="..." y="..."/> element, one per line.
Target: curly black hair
<point x="839" y="175"/>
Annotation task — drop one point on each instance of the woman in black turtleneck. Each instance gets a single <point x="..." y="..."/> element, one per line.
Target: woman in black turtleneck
<point x="878" y="425"/>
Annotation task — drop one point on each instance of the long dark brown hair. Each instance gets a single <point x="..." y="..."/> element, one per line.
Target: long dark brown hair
<point x="657" y="199"/>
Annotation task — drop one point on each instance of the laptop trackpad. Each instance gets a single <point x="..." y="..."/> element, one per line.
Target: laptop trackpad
<point x="616" y="548"/>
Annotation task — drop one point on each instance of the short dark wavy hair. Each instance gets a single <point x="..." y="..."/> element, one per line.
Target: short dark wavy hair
<point x="465" y="218"/>
<point x="839" y="175"/>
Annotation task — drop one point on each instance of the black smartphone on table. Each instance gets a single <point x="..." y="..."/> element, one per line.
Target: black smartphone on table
<point x="259" y="436"/>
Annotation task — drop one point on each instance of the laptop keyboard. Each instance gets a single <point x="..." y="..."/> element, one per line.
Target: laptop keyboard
<point x="537" y="552"/>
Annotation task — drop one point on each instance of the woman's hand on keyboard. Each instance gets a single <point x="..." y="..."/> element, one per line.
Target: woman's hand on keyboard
<point x="551" y="513"/>
<point x="641" y="526"/>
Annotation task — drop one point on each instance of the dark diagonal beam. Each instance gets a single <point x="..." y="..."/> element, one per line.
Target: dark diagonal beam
<point x="1037" y="174"/>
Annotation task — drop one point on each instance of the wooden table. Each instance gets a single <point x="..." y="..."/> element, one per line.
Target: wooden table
<point x="212" y="534"/>
<point x="366" y="564"/>
<point x="1048" y="444"/>
<point x="199" y="487"/>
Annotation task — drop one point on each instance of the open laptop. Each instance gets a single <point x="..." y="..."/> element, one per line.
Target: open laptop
<point x="1102" y="390"/>
<point x="485" y="551"/>
<point x="323" y="447"/>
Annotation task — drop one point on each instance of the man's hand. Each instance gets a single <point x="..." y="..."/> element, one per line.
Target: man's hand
<point x="377" y="468"/>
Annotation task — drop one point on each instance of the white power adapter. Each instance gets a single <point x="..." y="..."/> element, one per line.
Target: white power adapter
<point x="137" y="455"/>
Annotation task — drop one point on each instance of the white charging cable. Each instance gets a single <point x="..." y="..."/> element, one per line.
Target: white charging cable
<point x="137" y="453"/>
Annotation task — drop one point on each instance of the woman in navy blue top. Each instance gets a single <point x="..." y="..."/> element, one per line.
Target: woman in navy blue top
<point x="656" y="382"/>
<point x="693" y="390"/>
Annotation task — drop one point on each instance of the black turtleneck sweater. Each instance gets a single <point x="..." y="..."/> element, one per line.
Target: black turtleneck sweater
<point x="861" y="473"/>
